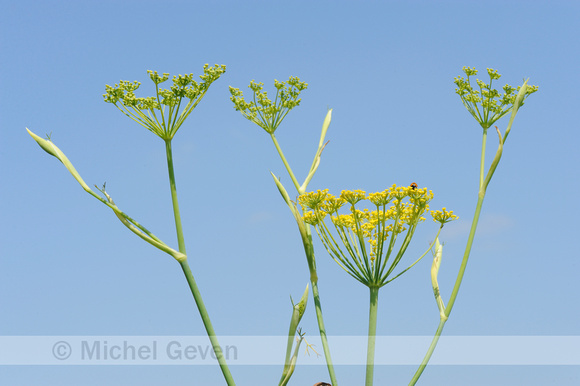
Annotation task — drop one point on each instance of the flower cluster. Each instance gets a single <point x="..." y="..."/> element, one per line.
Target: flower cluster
<point x="487" y="105"/>
<point x="262" y="110"/>
<point x="161" y="113"/>
<point x="443" y="216"/>
<point x="369" y="236"/>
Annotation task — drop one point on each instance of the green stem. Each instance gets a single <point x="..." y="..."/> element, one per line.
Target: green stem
<point x="459" y="279"/>
<point x="451" y="302"/>
<point x="482" y="162"/>
<point x="309" y="250"/>
<point x="372" y="335"/>
<point x="207" y="323"/>
<point x="288" y="168"/>
<point x="189" y="276"/>
<point x="429" y="353"/>
<point x="455" y="291"/>
<point x="306" y="234"/>
<point x="178" y="228"/>
<point x="322" y="330"/>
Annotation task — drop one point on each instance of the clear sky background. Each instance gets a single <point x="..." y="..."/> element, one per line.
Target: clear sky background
<point x="68" y="267"/>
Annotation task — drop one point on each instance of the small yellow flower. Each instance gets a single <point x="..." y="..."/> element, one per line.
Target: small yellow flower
<point x="312" y="218"/>
<point x="443" y="216"/>
<point x="353" y="196"/>
<point x="332" y="204"/>
<point x="344" y="220"/>
<point x="313" y="200"/>
<point x="380" y="198"/>
<point x="397" y="193"/>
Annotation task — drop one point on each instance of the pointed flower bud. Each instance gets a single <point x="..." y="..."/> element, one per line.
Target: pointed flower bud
<point x="297" y="313"/>
<point x="434" y="272"/>
<point x="52" y="149"/>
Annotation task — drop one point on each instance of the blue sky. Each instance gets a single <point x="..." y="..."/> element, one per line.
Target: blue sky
<point x="68" y="267"/>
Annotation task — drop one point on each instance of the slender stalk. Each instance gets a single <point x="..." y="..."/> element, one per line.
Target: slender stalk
<point x="178" y="228"/>
<point x="454" y="292"/>
<point x="309" y="250"/>
<point x="189" y="275"/>
<point x="374" y="302"/>
<point x="459" y="279"/>
<point x="288" y="168"/>
<point x="429" y="353"/>
<point x="482" y="162"/>
<point x="322" y="330"/>
<point x="451" y="302"/>
<point x="207" y="323"/>
<point x="306" y="234"/>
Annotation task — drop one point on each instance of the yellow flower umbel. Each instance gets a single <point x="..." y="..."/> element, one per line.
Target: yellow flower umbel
<point x="487" y="105"/>
<point x="262" y="110"/>
<point x="369" y="236"/>
<point x="443" y="216"/>
<point x="164" y="113"/>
